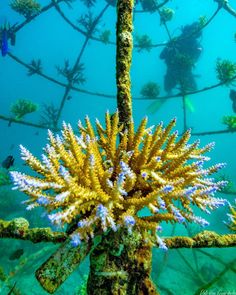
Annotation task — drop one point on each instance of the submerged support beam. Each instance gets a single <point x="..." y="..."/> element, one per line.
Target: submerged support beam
<point x="123" y="59"/>
<point x="18" y="228"/>
<point x="204" y="239"/>
<point x="60" y="265"/>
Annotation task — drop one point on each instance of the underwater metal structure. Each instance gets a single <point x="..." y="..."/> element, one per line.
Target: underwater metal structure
<point x="98" y="184"/>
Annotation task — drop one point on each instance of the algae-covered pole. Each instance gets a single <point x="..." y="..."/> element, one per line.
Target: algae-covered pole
<point x="121" y="264"/>
<point x="123" y="59"/>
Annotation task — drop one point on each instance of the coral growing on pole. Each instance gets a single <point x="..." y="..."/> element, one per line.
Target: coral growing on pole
<point x="230" y="121"/>
<point x="22" y="107"/>
<point x="26" y="7"/>
<point x="144" y="42"/>
<point x="150" y="90"/>
<point x="226" y="71"/>
<point x="102" y="184"/>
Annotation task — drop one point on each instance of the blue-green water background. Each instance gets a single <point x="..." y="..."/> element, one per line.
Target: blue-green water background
<point x="52" y="40"/>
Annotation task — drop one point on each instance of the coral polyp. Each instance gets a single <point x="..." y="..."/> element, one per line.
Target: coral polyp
<point x="102" y="183"/>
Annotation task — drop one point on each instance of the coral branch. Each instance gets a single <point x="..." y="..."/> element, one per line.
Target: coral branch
<point x="35" y="15"/>
<point x="27" y="8"/>
<point x="76" y="66"/>
<point x="22" y="107"/>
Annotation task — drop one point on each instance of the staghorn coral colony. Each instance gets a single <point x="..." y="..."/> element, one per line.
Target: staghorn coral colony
<point x="103" y="183"/>
<point x="230" y="121"/>
<point x="26" y="7"/>
<point x="22" y="107"/>
<point x="96" y="184"/>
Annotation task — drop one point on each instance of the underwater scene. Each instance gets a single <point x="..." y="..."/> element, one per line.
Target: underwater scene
<point x="117" y="147"/>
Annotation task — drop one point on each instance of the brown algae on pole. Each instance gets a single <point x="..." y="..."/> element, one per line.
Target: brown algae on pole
<point x="123" y="59"/>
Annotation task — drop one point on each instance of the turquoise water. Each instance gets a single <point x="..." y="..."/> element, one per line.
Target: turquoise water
<point x="51" y="39"/>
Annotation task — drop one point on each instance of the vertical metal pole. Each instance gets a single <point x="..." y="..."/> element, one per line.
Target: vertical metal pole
<point x="123" y="59"/>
